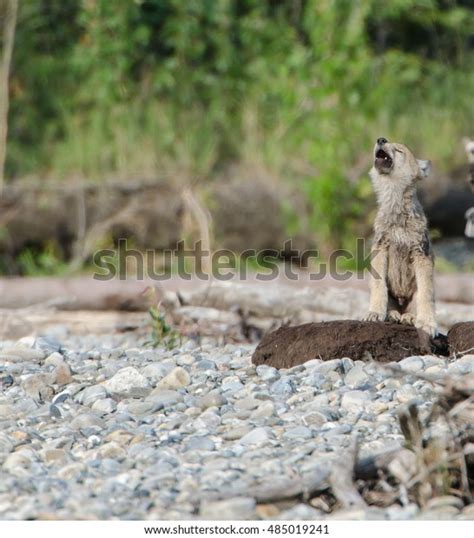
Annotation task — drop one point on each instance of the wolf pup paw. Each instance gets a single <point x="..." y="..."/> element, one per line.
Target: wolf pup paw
<point x="430" y="327"/>
<point x="394" y="316"/>
<point x="408" y="319"/>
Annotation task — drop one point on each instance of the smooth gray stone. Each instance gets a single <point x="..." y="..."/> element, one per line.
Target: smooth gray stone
<point x="199" y="443"/>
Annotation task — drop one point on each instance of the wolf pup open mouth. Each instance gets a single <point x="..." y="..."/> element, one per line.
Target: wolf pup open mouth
<point x="383" y="161"/>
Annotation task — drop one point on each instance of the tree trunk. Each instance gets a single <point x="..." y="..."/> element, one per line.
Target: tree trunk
<point x="10" y="10"/>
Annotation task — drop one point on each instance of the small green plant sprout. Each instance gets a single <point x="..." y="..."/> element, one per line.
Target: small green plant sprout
<point x="162" y="334"/>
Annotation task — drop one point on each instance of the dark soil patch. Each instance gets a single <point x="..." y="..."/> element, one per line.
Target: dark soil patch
<point x="461" y="338"/>
<point x="359" y="340"/>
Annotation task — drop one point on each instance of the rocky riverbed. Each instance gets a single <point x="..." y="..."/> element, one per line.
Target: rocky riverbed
<point x="100" y="427"/>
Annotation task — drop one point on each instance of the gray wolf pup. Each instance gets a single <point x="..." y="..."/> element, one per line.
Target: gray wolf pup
<point x="402" y="256"/>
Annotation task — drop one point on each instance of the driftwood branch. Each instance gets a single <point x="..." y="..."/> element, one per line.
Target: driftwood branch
<point x="375" y="465"/>
<point x="304" y="486"/>
<point x="342" y="479"/>
<point x="203" y="220"/>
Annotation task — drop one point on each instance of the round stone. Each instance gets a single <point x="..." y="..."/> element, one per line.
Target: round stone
<point x="354" y="401"/>
<point x="412" y="364"/>
<point x="267" y="373"/>
<point x="238" y="508"/>
<point x="200" y="443"/>
<point x="256" y="436"/>
<point x="176" y="379"/>
<point x="356" y="377"/>
<point x="127" y="382"/>
<point x="283" y="386"/>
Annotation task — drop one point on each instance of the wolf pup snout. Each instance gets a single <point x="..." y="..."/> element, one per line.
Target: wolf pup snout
<point x="402" y="257"/>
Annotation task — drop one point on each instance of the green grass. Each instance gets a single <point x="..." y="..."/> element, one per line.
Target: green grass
<point x="46" y="262"/>
<point x="162" y="334"/>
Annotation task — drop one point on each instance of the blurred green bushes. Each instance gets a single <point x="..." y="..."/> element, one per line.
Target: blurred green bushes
<point x="135" y="89"/>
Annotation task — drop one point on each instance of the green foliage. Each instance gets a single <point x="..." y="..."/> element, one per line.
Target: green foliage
<point x="46" y="262"/>
<point x="162" y="334"/>
<point x="300" y="87"/>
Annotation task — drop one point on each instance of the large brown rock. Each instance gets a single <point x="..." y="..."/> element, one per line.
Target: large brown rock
<point x="461" y="338"/>
<point x="384" y="342"/>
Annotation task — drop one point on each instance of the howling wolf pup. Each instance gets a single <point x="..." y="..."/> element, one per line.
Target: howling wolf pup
<point x="402" y="257"/>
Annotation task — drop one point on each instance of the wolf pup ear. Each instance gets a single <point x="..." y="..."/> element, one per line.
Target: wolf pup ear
<point x="425" y="167"/>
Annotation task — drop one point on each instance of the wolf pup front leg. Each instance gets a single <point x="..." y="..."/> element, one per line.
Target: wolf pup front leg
<point x="378" y="285"/>
<point x="425" y="303"/>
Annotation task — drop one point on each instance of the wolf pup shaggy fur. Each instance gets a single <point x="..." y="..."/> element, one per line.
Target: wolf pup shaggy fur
<point x="402" y="257"/>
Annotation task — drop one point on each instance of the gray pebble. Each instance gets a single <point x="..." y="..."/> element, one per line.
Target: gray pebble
<point x="105" y="406"/>
<point x="299" y="432"/>
<point x="230" y="509"/>
<point x="314" y="418"/>
<point x="347" y="364"/>
<point x="463" y="365"/>
<point x="128" y="382"/>
<point x="91" y="394"/>
<point x="156" y="371"/>
<point x="212" y="399"/>
<point x="315" y="379"/>
<point x="87" y="420"/>
<point x="354" y="400"/>
<point x="357" y="377"/>
<point x="176" y="379"/>
<point x="264" y="410"/>
<point x="256" y="436"/>
<point x="205" y="364"/>
<point x="412" y="364"/>
<point x="185" y="360"/>
<point x="283" y="386"/>
<point x="267" y="373"/>
<point x="199" y="443"/>
<point x="165" y="398"/>
<point x="329" y="366"/>
<point x="301" y="512"/>
<point x="247" y="404"/>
